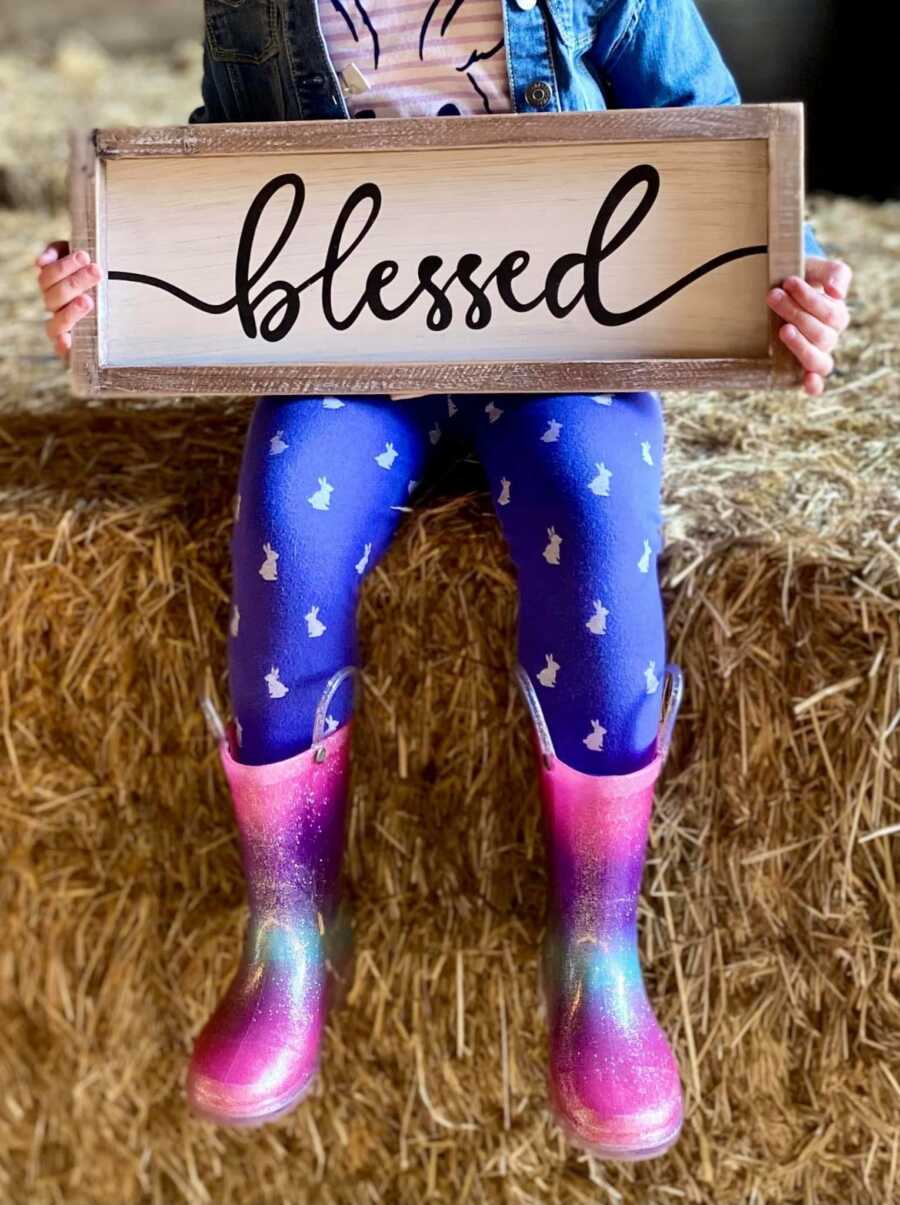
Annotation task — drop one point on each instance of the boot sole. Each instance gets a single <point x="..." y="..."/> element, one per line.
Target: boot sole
<point x="249" y="1121"/>
<point x="619" y="1154"/>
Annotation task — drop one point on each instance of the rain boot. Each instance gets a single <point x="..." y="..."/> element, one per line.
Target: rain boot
<point x="258" y="1054"/>
<point x="613" y="1080"/>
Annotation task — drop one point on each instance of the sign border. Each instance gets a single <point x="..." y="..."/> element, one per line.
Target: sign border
<point x="780" y="125"/>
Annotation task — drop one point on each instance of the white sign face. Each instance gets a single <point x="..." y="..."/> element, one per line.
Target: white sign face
<point x="561" y="252"/>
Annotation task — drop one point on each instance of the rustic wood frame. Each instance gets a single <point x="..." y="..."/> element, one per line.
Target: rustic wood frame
<point x="781" y="125"/>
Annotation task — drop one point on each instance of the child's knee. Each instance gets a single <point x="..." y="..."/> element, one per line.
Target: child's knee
<point x="635" y="422"/>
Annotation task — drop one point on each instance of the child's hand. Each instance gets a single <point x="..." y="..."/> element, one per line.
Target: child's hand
<point x="65" y="280"/>
<point x="816" y="316"/>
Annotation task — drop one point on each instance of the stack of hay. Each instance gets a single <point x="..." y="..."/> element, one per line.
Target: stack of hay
<point x="770" y="914"/>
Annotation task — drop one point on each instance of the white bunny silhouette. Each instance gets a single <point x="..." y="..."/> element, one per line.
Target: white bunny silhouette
<point x="600" y="484"/>
<point x="363" y="560"/>
<point x="651" y="678"/>
<point x="597" y="622"/>
<point x="645" y="452"/>
<point x="387" y="457"/>
<point x="412" y="485"/>
<point x="493" y="412"/>
<point x="277" y="444"/>
<point x="239" y="731"/>
<point x="551" y="552"/>
<point x="435" y="433"/>
<point x="503" y="499"/>
<point x="322" y="496"/>
<point x="332" y="403"/>
<point x="547" y="676"/>
<point x="451" y="407"/>
<point x="269" y="569"/>
<point x="314" y="625"/>
<point x="594" y="739"/>
<point x="330" y="724"/>
<point x="644" y="562"/>
<point x="551" y="435"/>
<point x="235" y="620"/>
<point x="277" y="689"/>
<point x="602" y="399"/>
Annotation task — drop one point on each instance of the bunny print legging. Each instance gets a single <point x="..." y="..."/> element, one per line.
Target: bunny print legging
<point x="575" y="480"/>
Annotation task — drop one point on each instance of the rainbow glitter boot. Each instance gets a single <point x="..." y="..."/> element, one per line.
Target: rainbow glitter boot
<point x="614" y="1085"/>
<point x="258" y="1054"/>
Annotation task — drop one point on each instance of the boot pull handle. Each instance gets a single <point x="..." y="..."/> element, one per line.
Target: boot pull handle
<point x="673" y="693"/>
<point x="318" y="736"/>
<point x="545" y="741"/>
<point x="220" y="733"/>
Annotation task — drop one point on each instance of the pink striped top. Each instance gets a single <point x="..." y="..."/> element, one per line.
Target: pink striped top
<point x="418" y="58"/>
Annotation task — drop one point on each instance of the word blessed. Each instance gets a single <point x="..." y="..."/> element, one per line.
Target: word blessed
<point x="283" y="299"/>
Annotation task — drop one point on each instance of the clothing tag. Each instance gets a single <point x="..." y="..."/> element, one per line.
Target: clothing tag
<point x="353" y="80"/>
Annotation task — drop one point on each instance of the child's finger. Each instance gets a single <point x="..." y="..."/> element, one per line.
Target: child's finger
<point x="833" y="275"/>
<point x="813" y="384"/>
<point x="812" y="359"/>
<point x="60" y="269"/>
<point x="51" y="253"/>
<point x="71" y="286"/>
<point x="824" y="337"/>
<point x="829" y="310"/>
<point x="63" y="345"/>
<point x="63" y="320"/>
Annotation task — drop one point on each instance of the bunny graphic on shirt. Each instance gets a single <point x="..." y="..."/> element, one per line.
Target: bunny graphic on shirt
<point x="379" y="48"/>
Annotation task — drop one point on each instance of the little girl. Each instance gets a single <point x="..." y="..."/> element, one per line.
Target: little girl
<point x="575" y="478"/>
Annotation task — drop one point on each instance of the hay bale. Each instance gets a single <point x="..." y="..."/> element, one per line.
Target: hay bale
<point x="79" y="85"/>
<point x="769" y="916"/>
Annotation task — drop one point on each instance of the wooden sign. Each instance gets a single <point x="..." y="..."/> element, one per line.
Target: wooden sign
<point x="620" y="250"/>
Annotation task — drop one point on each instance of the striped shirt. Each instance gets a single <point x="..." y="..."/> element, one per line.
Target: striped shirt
<point x="418" y="58"/>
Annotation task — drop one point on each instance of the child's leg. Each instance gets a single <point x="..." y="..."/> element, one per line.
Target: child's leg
<point x="321" y="484"/>
<point x="576" y="485"/>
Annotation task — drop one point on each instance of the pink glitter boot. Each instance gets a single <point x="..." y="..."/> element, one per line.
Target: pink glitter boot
<point x="258" y="1054"/>
<point x="614" y="1085"/>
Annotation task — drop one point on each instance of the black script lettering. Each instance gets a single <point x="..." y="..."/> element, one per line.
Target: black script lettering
<point x="244" y="282"/>
<point x="283" y="315"/>
<point x="334" y="257"/>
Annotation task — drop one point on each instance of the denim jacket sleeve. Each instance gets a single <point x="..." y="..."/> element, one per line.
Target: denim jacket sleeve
<point x="659" y="52"/>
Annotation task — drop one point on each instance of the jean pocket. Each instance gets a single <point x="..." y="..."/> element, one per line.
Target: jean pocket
<point x="242" y="31"/>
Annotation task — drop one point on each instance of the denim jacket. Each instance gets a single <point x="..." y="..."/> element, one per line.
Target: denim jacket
<point x="266" y="60"/>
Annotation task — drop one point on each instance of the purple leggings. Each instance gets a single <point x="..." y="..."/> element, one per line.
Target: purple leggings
<point x="575" y="480"/>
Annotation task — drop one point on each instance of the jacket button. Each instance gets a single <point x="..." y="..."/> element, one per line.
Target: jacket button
<point x="538" y="94"/>
<point x="525" y="5"/>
